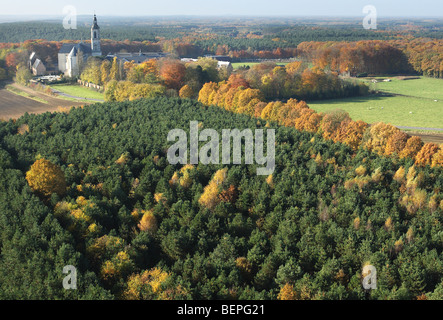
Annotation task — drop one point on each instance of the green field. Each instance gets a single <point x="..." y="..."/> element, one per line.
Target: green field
<point x="237" y="65"/>
<point x="78" y="91"/>
<point x="414" y="103"/>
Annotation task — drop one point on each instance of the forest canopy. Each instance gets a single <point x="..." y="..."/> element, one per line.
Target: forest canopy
<point x="137" y="227"/>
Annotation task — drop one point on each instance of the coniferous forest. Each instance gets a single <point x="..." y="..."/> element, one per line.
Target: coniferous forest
<point x="93" y="188"/>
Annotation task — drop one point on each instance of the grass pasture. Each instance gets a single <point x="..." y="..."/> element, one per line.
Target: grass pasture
<point x="237" y="65"/>
<point x="409" y="103"/>
<point x="78" y="91"/>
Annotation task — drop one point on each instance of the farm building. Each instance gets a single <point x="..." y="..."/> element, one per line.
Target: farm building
<point x="137" y="58"/>
<point x="36" y="65"/>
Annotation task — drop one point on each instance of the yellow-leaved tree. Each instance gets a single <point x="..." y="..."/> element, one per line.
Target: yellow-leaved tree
<point x="148" y="222"/>
<point x="46" y="178"/>
<point x="186" y="92"/>
<point x="287" y="292"/>
<point x="209" y="198"/>
<point x="153" y="284"/>
<point x="437" y="158"/>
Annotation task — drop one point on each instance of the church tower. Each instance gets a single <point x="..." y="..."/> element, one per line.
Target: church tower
<point x="95" y="38"/>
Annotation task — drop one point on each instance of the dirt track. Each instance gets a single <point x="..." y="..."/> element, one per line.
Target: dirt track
<point x="435" y="138"/>
<point x="14" y="106"/>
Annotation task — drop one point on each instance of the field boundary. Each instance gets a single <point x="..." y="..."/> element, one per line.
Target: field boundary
<point x="24" y="94"/>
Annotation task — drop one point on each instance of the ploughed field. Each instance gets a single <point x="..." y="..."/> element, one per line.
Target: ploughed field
<point x="13" y="105"/>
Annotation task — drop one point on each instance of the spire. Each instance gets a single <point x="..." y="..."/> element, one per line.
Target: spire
<point x="94" y="23"/>
<point x="95" y="38"/>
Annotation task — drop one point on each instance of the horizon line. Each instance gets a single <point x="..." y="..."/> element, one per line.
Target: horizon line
<point x="223" y="16"/>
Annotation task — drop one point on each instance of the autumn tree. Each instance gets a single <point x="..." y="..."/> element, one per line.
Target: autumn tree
<point x="105" y="69"/>
<point x="308" y="120"/>
<point x="145" y="285"/>
<point x="186" y="92"/>
<point x="396" y="143"/>
<point x="351" y="133"/>
<point x="376" y="138"/>
<point x="412" y="147"/>
<point x="287" y="292"/>
<point x="228" y="195"/>
<point x="437" y="158"/>
<point x="153" y="284"/>
<point x="114" y="73"/>
<point x="399" y="175"/>
<point x="247" y="100"/>
<point x="91" y="72"/>
<point x="207" y="92"/>
<point x="210" y="197"/>
<point x="237" y="80"/>
<point x="331" y="123"/>
<point x="294" y="67"/>
<point x="46" y="178"/>
<point x="425" y="155"/>
<point x="110" y="90"/>
<point x="172" y="72"/>
<point x="148" y="222"/>
<point x="119" y="266"/>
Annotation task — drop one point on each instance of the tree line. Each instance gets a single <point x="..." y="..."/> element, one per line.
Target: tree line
<point x="406" y="55"/>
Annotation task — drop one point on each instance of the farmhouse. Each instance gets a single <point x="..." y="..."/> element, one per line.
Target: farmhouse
<point x="72" y="55"/>
<point x="220" y="62"/>
<point x="36" y="65"/>
<point x="225" y="64"/>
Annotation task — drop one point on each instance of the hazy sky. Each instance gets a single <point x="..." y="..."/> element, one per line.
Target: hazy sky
<point x="385" y="8"/>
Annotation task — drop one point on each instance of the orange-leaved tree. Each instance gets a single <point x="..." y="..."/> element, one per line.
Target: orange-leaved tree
<point x="437" y="158"/>
<point x="287" y="292"/>
<point x="396" y="143"/>
<point x="173" y="73"/>
<point x="424" y="156"/>
<point x="412" y="147"/>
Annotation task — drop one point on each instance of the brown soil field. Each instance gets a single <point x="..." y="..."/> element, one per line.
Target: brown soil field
<point x="13" y="106"/>
<point x="435" y="138"/>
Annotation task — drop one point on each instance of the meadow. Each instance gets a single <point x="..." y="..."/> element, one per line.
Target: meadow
<point x="237" y="65"/>
<point x="78" y="91"/>
<point x="409" y="103"/>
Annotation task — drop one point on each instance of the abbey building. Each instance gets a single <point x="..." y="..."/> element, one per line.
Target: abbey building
<point x="72" y="55"/>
